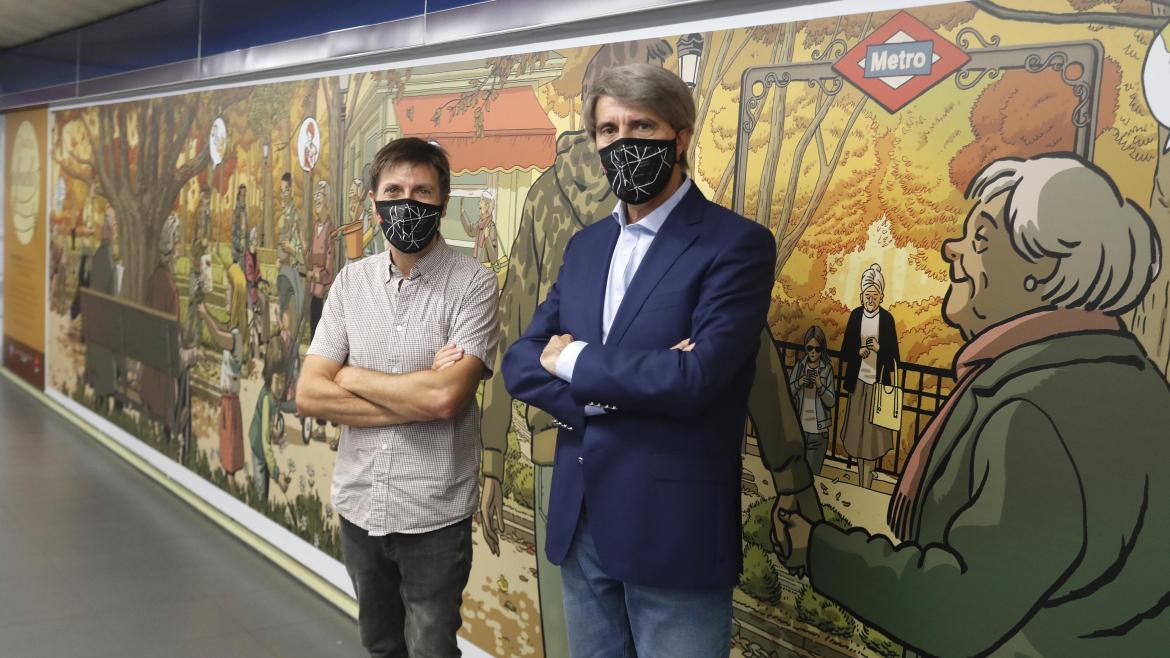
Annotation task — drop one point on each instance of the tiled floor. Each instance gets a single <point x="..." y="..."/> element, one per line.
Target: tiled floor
<point x="97" y="560"/>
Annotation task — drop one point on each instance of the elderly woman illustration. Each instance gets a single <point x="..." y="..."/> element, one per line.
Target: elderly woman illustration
<point x="870" y="350"/>
<point x="483" y="229"/>
<point x="231" y="339"/>
<point x="1034" y="513"/>
<point x="158" y="390"/>
<point x="814" y="394"/>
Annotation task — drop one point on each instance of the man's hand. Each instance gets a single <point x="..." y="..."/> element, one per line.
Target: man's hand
<point x="864" y="352"/>
<point x="684" y="346"/>
<point x="492" y="513"/>
<point x="552" y="352"/>
<point x="448" y="356"/>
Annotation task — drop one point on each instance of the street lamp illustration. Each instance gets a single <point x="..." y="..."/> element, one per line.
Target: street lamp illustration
<point x="690" y="50"/>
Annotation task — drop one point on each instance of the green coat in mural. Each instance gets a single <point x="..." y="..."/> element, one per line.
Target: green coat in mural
<point x="1042" y="521"/>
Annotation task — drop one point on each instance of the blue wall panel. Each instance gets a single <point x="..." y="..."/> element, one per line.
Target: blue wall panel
<point x="45" y="63"/>
<point x="440" y="5"/>
<point x="231" y="25"/>
<point x="161" y="33"/>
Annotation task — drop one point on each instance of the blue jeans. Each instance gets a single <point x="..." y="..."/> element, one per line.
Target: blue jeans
<point x="816" y="446"/>
<point x="608" y="618"/>
<point x="409" y="589"/>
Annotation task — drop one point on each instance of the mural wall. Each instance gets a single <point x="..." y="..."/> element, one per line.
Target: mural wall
<point x="177" y="220"/>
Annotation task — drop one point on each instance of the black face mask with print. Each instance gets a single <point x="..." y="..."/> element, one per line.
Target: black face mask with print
<point x="409" y="225"/>
<point x="638" y="169"/>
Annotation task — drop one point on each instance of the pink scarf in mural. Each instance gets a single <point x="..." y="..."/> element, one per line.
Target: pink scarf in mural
<point x="969" y="364"/>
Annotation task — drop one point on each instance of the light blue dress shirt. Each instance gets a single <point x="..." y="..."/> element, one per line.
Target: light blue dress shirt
<point x="632" y="244"/>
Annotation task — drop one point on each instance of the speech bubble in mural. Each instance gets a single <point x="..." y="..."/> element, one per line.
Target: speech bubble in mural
<point x="217" y="141"/>
<point x="1156" y="80"/>
<point x="309" y="143"/>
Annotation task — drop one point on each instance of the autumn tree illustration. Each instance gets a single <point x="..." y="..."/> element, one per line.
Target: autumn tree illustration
<point x="334" y="100"/>
<point x="268" y="118"/>
<point x="141" y="154"/>
<point x="484" y="90"/>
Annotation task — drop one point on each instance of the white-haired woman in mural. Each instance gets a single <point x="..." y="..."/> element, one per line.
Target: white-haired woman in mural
<point x="483" y="229"/>
<point x="870" y="351"/>
<point x="158" y="390"/>
<point x="231" y="339"/>
<point x="1033" y="516"/>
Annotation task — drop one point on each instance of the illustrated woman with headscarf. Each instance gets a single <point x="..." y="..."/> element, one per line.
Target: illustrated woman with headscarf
<point x="870" y="350"/>
<point x="159" y="390"/>
<point x="231" y="339"/>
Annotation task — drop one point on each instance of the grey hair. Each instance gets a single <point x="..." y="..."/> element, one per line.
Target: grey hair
<point x="167" y="238"/>
<point x="1061" y="207"/>
<point x="644" y="86"/>
<point x="815" y="333"/>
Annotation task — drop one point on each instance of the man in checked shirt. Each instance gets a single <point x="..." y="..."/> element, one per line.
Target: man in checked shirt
<point x="400" y="350"/>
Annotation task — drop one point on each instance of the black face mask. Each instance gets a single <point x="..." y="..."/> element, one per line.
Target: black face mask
<point x="409" y="225"/>
<point x="638" y="169"/>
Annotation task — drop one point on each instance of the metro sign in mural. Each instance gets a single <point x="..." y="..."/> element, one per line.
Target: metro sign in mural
<point x="899" y="61"/>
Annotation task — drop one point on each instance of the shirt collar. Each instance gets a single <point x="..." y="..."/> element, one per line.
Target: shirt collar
<point x="433" y="259"/>
<point x="654" y="221"/>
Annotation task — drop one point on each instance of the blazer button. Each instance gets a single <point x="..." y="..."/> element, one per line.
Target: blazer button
<point x="580" y="460"/>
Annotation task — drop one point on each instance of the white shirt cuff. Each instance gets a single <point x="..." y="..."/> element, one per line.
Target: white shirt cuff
<point x="567" y="361"/>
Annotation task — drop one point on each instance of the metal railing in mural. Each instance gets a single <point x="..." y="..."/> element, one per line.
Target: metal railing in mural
<point x="924" y="390"/>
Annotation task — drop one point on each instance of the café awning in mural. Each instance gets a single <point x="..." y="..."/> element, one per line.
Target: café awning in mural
<point x="515" y="132"/>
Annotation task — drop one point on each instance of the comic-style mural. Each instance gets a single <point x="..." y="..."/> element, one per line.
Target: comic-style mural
<point x="896" y="157"/>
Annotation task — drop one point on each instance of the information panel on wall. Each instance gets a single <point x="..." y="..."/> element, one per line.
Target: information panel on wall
<point x="24" y="244"/>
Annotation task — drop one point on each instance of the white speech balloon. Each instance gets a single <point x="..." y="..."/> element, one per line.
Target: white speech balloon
<point x="308" y="144"/>
<point x="217" y="141"/>
<point x="1156" y="81"/>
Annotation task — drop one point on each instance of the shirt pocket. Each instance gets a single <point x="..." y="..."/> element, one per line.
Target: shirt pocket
<point x="370" y="345"/>
<point x="421" y="339"/>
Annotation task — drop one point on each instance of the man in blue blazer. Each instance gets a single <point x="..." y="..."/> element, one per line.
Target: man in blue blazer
<point x="644" y="352"/>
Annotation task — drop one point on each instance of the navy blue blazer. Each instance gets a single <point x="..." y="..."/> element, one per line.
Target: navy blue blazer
<point x="660" y="473"/>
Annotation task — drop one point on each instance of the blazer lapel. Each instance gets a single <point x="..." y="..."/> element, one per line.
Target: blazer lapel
<point x="678" y="232"/>
<point x="595" y="280"/>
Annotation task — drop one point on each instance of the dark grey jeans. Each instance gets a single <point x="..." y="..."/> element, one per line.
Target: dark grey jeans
<point x="409" y="588"/>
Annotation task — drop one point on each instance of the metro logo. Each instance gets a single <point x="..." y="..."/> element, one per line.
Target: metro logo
<point x="914" y="58"/>
<point x="900" y="61"/>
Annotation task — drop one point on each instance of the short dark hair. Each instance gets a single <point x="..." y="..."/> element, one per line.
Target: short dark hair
<point x="273" y="359"/>
<point x="414" y="151"/>
<point x="286" y="178"/>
